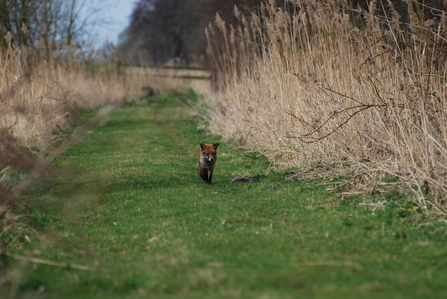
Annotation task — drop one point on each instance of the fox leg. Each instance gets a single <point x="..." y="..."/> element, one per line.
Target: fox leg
<point x="210" y="176"/>
<point x="203" y="173"/>
<point x="206" y="174"/>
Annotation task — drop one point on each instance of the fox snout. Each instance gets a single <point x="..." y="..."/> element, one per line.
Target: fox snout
<point x="208" y="161"/>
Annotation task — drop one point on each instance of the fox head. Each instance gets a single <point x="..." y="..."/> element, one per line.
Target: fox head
<point x="208" y="152"/>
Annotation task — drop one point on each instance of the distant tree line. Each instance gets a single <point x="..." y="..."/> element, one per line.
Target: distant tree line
<point x="173" y="30"/>
<point x="46" y="23"/>
<point x="164" y="30"/>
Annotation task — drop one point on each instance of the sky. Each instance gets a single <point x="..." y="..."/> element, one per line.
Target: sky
<point x="117" y="16"/>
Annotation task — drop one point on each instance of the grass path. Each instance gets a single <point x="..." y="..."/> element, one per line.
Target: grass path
<point x="131" y="205"/>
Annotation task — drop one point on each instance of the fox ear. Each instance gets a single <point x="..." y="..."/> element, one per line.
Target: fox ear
<point x="202" y="146"/>
<point x="215" y="145"/>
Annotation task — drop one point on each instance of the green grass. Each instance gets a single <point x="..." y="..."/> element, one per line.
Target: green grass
<point x="128" y="201"/>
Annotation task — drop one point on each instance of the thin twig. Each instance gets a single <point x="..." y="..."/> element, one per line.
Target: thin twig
<point x="361" y="108"/>
<point x="47" y="262"/>
<point x="325" y="184"/>
<point x="338" y="93"/>
<point x="299" y="118"/>
<point x="375" y="89"/>
<point x="330" y="263"/>
<point x="337" y="128"/>
<point x="327" y="120"/>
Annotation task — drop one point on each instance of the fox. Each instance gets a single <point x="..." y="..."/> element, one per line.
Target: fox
<point x="207" y="159"/>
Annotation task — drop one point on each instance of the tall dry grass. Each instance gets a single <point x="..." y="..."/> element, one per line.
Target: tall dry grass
<point x="38" y="93"/>
<point x="309" y="85"/>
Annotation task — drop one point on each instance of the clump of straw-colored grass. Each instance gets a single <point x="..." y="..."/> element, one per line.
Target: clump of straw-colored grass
<point x="308" y="86"/>
<point x="38" y="92"/>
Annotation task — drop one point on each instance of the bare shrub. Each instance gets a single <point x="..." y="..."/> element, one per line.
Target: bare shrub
<point x="313" y="85"/>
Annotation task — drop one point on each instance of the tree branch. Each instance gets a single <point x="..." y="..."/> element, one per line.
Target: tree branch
<point x="361" y="107"/>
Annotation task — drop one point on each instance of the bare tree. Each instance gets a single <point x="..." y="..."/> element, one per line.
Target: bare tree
<point x="55" y="21"/>
<point x="16" y="16"/>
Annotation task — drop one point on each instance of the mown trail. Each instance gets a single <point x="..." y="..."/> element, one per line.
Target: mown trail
<point x="136" y="211"/>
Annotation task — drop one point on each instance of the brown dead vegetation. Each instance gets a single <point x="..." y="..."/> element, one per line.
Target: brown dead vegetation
<point x="324" y="82"/>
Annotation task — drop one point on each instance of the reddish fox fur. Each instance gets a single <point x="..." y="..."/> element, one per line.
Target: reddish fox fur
<point x="207" y="159"/>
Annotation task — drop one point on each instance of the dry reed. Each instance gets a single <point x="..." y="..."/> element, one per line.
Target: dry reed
<point x="38" y="93"/>
<point x="308" y="86"/>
